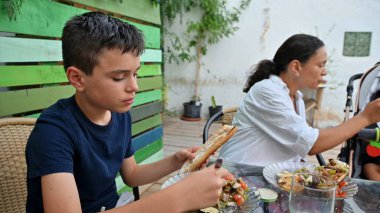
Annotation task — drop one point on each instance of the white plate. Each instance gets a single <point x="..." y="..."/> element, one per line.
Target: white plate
<point x="249" y="205"/>
<point x="173" y="180"/>
<point x="270" y="174"/>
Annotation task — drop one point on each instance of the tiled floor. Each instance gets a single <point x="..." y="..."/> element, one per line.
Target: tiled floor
<point x="179" y="134"/>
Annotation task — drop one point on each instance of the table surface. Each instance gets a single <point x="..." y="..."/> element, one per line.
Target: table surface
<point x="367" y="199"/>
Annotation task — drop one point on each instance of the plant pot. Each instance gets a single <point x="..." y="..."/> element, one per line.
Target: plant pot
<point x="192" y="110"/>
<point x="213" y="110"/>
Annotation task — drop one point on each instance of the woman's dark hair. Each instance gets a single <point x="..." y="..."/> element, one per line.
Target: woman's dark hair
<point x="298" y="47"/>
<point x="85" y="36"/>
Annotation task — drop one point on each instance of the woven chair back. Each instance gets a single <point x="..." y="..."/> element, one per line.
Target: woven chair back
<point x="228" y="115"/>
<point x="14" y="133"/>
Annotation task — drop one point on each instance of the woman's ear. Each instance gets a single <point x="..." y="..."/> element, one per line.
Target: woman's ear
<point x="75" y="77"/>
<point x="295" y="67"/>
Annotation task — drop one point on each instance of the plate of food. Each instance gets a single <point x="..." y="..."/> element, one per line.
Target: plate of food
<point x="273" y="172"/>
<point x="280" y="175"/>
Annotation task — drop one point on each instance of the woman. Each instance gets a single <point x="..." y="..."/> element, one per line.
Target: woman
<point x="271" y="119"/>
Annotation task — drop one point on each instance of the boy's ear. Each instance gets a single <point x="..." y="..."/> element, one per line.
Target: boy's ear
<point x="75" y="77"/>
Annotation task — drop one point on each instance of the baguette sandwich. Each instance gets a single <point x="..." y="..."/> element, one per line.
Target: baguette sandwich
<point x="209" y="148"/>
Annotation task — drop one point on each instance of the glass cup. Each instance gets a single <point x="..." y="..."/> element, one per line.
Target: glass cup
<point x="311" y="192"/>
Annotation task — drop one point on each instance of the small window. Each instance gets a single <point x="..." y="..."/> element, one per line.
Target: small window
<point x="357" y="44"/>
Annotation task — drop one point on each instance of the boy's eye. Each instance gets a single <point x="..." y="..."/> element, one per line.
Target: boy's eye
<point x="118" y="79"/>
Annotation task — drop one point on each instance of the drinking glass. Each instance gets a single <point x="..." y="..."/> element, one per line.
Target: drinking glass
<point x="311" y="192"/>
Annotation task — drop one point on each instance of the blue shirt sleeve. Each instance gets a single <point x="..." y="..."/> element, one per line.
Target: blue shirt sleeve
<point x="49" y="150"/>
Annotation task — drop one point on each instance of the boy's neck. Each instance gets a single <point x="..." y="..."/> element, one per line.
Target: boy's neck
<point x="98" y="116"/>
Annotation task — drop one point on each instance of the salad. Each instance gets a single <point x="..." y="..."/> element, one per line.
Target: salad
<point x="234" y="193"/>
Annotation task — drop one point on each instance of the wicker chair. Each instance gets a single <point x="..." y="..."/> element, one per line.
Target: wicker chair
<point x="14" y="133"/>
<point x="226" y="118"/>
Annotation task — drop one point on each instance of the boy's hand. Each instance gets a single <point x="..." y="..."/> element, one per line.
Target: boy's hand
<point x="202" y="188"/>
<point x="185" y="154"/>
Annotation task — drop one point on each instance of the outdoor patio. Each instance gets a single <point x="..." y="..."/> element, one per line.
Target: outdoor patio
<point x="179" y="134"/>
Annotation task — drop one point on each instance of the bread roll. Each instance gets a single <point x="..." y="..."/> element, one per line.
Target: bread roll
<point x="212" y="144"/>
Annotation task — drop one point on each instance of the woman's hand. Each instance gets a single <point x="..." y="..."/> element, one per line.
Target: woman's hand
<point x="372" y="111"/>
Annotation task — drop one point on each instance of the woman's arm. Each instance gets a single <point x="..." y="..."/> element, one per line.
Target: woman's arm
<point x="331" y="137"/>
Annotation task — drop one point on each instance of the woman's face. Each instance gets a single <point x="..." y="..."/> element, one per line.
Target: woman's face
<point x="312" y="72"/>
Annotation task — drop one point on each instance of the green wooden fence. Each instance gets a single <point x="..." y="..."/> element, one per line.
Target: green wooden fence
<point x="32" y="77"/>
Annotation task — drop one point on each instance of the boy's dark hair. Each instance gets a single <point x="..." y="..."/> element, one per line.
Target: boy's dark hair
<point x="85" y="36"/>
<point x="298" y="47"/>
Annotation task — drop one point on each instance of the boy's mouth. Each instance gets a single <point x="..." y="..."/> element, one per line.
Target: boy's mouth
<point x="129" y="101"/>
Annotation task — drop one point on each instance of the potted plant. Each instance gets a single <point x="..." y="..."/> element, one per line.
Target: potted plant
<point x="216" y="22"/>
<point x="192" y="109"/>
<point x="214" y="108"/>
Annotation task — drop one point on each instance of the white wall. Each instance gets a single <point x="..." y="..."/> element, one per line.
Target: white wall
<point x="264" y="26"/>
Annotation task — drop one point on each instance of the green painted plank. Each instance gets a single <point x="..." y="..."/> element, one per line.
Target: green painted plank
<point x="20" y="101"/>
<point x="149" y="70"/>
<point x="149" y="83"/>
<point x="121" y="187"/>
<point x="155" y="157"/>
<point x="47" y="18"/>
<point x="146" y="124"/>
<point x="31" y="75"/>
<point x="45" y="74"/>
<point x="137" y="113"/>
<point x="48" y="74"/>
<point x="39" y="17"/>
<point x="152" y="56"/>
<point x="33" y="115"/>
<point x="41" y="50"/>
<point x="142" y="9"/>
<point x="147" y="110"/>
<point x="29" y="50"/>
<point x="146" y="97"/>
<point x="148" y="150"/>
<point x="12" y="102"/>
<point x="147" y="137"/>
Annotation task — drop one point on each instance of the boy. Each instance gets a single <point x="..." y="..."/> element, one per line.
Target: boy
<point x="79" y="144"/>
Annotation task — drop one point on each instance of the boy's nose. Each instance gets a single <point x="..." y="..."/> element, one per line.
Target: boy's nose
<point x="132" y="85"/>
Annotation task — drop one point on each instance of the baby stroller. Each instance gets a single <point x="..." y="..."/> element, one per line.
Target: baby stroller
<point x="355" y="149"/>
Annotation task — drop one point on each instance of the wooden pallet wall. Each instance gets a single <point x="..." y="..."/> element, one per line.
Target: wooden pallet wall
<point x="32" y="76"/>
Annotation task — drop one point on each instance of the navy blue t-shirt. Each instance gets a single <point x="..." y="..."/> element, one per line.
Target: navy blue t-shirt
<point x="65" y="140"/>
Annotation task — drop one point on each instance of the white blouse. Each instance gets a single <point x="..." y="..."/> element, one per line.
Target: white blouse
<point x="269" y="128"/>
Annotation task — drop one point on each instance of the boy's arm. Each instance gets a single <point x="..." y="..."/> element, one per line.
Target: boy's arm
<point x="199" y="190"/>
<point x="135" y="175"/>
<point x="60" y="193"/>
